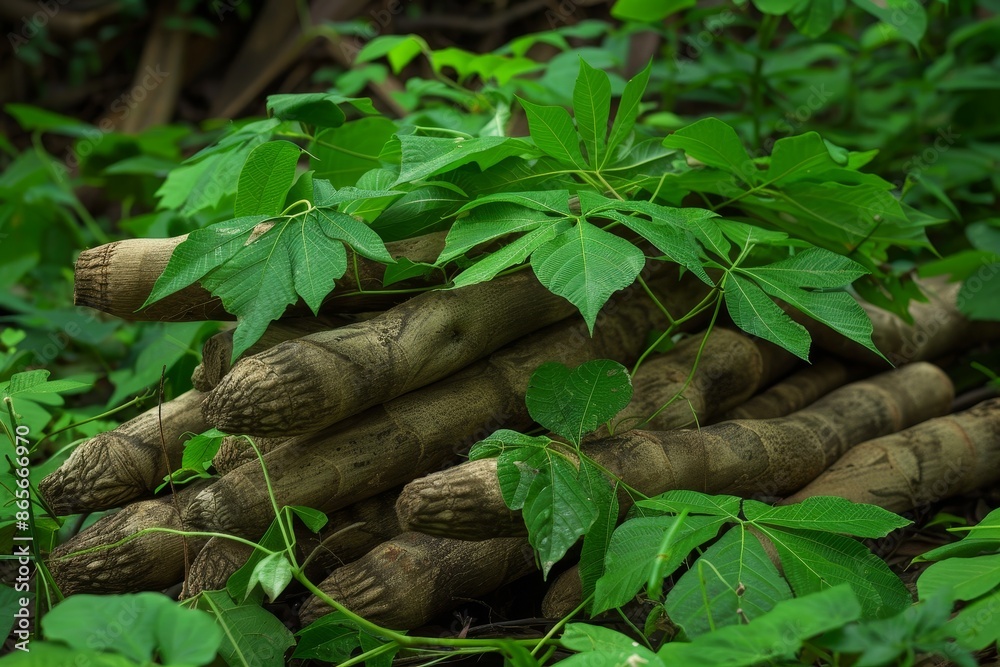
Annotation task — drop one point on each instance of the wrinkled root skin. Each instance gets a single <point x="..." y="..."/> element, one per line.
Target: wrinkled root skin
<point x="403" y="583"/>
<point x="931" y="461"/>
<point x="127" y="463"/>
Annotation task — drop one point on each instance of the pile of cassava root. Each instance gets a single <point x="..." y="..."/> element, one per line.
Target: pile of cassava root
<point x="365" y="413"/>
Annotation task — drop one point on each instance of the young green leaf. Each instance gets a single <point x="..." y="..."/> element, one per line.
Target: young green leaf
<point x="634" y="548"/>
<point x="773" y="638"/>
<point x="273" y="573"/>
<point x="266" y="178"/>
<point x="814" y="267"/>
<point x="754" y="312"/>
<point x="731" y="583"/>
<point x="814" y="560"/>
<point x="251" y="634"/>
<point x="423" y="157"/>
<point x="319" y="109"/>
<point x="592" y="107"/>
<point x="586" y="265"/>
<point x="552" y="129"/>
<point x="574" y="403"/>
<point x="491" y="221"/>
<point x="715" y="144"/>
<point x="828" y="514"/>
<point x="628" y="110"/>
<point x="797" y="158"/>
<point x="909" y="20"/>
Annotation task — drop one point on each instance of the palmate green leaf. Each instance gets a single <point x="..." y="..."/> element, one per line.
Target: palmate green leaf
<point x="745" y="235"/>
<point x="632" y="554"/>
<point x="574" y="402"/>
<point x="838" y="310"/>
<point x="488" y="222"/>
<point x="771" y="638"/>
<point x="829" y="514"/>
<point x="675" y="244"/>
<point x="319" y="109"/>
<point x="909" y="19"/>
<point x="283" y="259"/>
<point x="343" y="154"/>
<point x="557" y="510"/>
<point x="797" y="158"/>
<point x="252" y="636"/>
<point x="266" y="178"/>
<point x="754" y="312"/>
<point x="814" y="560"/>
<point x="423" y="157"/>
<point x="586" y="265"/>
<point x="552" y="130"/>
<point x="628" y="110"/>
<point x="732" y="582"/>
<point x="715" y="144"/>
<point x="592" y="107"/>
<point x="505" y="440"/>
<point x="202" y="251"/>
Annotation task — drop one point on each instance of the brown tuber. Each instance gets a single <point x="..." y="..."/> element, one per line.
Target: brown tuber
<point x="126" y="463"/>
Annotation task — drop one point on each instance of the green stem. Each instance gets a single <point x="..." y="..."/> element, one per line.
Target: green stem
<point x="694" y="367"/>
<point x="558" y="626"/>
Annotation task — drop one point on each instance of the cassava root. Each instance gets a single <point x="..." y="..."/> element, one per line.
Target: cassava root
<point x="764" y="458"/>
<point x="126" y="463"/>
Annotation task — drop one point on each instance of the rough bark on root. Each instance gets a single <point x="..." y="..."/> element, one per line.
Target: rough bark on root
<point x="126" y="463"/>
<point x="421" y="431"/>
<point x="118" y="277"/>
<point x="236" y="451"/>
<point x="406" y="581"/>
<point x="149" y="562"/>
<point x="303" y="385"/>
<point x="795" y="392"/>
<point x="764" y="458"/>
<point x="937" y="459"/>
<point x="349" y="534"/>
<point x="731" y="369"/>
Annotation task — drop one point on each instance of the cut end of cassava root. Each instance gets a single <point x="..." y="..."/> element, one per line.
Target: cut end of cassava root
<point x="93" y="562"/>
<point x="404" y="582"/>
<point x="126" y="463"/>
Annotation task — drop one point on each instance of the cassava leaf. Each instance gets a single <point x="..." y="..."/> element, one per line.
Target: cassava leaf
<point x="813" y="561"/>
<point x="754" y="312"/>
<point x="731" y="583"/>
<point x="633" y="550"/>
<point x="423" y="157"/>
<point x="553" y="132"/>
<point x="797" y="158"/>
<point x="715" y="144"/>
<point x="829" y="514"/>
<point x="266" y="178"/>
<point x="574" y="402"/>
<point x="592" y="107"/>
<point x="319" y="109"/>
<point x="628" y="110"/>
<point x="586" y="265"/>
